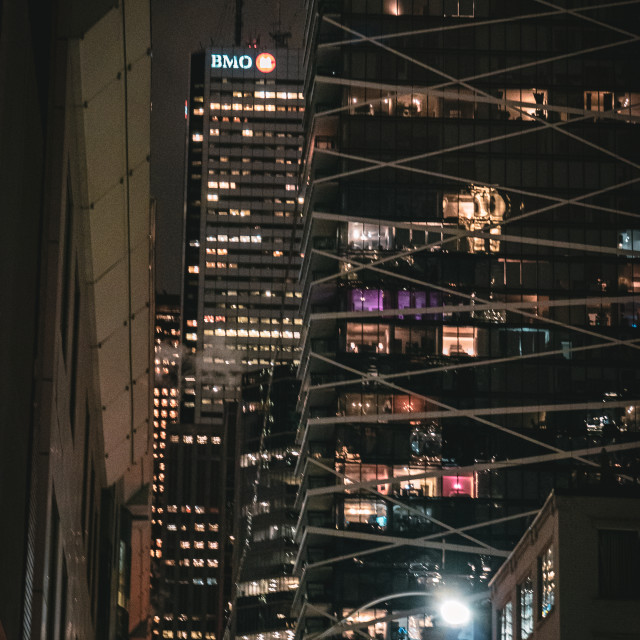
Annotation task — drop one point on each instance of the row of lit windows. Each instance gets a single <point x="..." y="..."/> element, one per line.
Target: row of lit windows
<point x="199" y="439"/>
<point x="257" y="238"/>
<point x="249" y="172"/>
<point x="244" y="159"/>
<point x="267" y="133"/>
<point x="254" y="347"/>
<point x="252" y="333"/>
<point x="252" y="320"/>
<point x="223" y="237"/>
<point x="197" y="526"/>
<point x="198" y="544"/>
<point x="271" y="585"/>
<point x="185" y="508"/>
<point x="276" y="253"/>
<point x="157" y="413"/>
<point x="184" y="635"/>
<point x="173" y="392"/>
<point x="286" y="634"/>
<point x="165" y="402"/>
<point x="524" y="594"/>
<point x="239" y="106"/>
<point x="212" y="563"/>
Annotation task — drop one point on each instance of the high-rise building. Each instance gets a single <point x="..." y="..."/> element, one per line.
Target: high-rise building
<point x="239" y="311"/>
<point x="166" y="401"/>
<point x="471" y="286"/>
<point x="77" y="305"/>
<point x="241" y="244"/>
<point x="266" y="488"/>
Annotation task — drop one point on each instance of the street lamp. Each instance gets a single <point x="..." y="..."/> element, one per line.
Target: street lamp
<point x="455" y="613"/>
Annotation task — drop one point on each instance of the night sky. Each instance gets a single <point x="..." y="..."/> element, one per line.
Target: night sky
<point x="180" y="27"/>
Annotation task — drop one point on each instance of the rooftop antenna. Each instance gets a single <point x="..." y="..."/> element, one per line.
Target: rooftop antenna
<point x="238" y="38"/>
<point x="280" y="37"/>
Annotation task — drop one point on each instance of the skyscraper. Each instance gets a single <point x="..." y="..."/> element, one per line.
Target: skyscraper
<point x="238" y="311"/>
<point x="471" y="293"/>
<point x="241" y="259"/>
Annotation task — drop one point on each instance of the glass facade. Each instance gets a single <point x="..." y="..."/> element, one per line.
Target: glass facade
<point x="471" y="291"/>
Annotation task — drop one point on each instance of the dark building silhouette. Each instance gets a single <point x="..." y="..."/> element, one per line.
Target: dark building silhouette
<point x="471" y="287"/>
<point x="76" y="314"/>
<point x="265" y="505"/>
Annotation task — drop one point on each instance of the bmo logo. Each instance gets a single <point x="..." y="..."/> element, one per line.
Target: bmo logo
<point x="264" y="62"/>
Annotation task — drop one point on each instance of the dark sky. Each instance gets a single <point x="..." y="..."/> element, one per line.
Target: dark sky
<point x="178" y="28"/>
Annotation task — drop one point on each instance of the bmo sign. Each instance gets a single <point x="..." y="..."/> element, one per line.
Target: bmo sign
<point x="263" y="62"/>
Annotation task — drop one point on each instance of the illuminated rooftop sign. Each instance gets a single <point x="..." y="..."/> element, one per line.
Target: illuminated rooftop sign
<point x="264" y="62"/>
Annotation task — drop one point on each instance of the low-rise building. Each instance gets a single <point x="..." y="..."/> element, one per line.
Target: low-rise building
<point x="575" y="573"/>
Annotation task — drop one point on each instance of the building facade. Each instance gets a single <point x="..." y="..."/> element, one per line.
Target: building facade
<point x="238" y="311"/>
<point x="266" y="488"/>
<point x="574" y="573"/>
<point x="77" y="305"/>
<point x="470" y="293"/>
<point x="242" y="222"/>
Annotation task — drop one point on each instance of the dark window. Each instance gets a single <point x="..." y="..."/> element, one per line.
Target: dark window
<point x="619" y="564"/>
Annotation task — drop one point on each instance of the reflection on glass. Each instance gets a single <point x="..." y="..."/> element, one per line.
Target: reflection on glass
<point x="525" y="605"/>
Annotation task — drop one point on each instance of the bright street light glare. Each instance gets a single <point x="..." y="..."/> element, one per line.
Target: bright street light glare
<point x="455" y="613"/>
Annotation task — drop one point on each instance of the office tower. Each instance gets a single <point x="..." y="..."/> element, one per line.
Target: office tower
<point x="165" y="413"/>
<point x="75" y="464"/>
<point x="471" y="293"/>
<point x="241" y="242"/>
<point x="238" y="310"/>
<point x="265" y="505"/>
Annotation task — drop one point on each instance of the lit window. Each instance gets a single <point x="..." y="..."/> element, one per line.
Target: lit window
<point x="547" y="583"/>
<point x="506" y="622"/>
<point x="214" y="132"/>
<point x="247" y="132"/>
<point x="197" y="137"/>
<point x="525" y="602"/>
